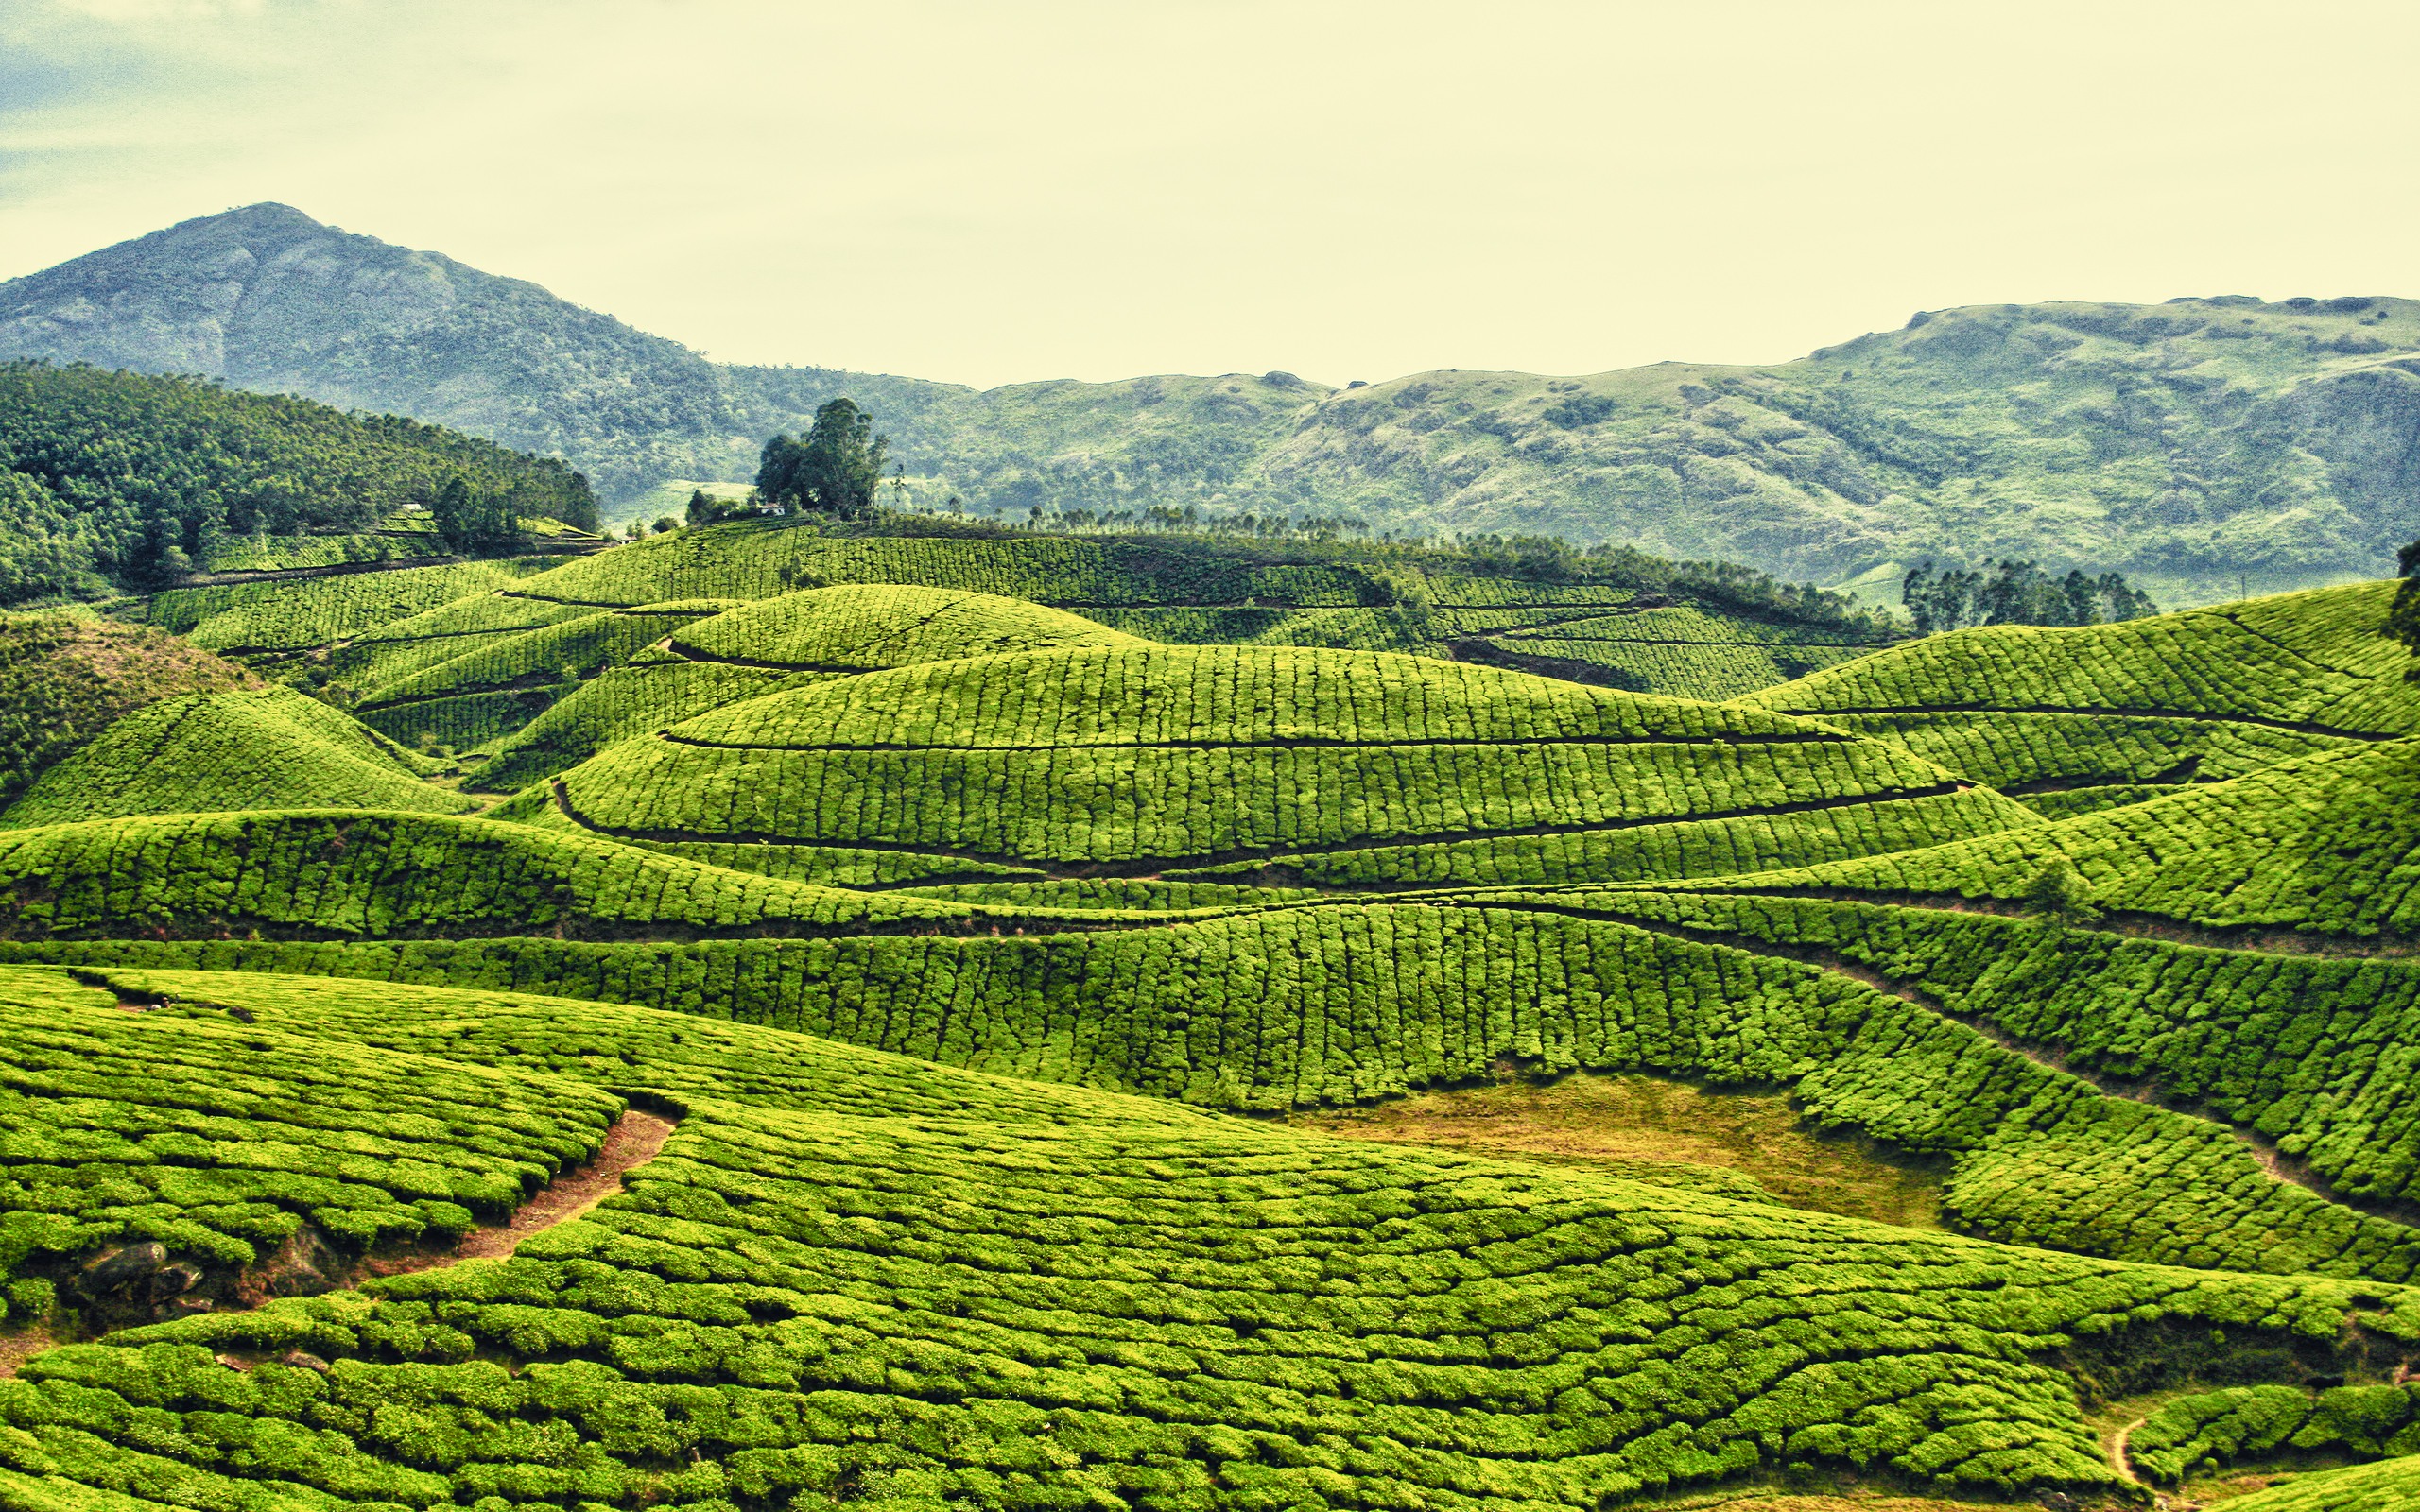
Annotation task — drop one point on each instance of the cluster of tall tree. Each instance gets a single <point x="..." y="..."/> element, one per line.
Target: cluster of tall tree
<point x="835" y="469"/>
<point x="2018" y="593"/>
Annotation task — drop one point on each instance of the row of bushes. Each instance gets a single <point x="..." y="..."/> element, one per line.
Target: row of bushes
<point x="2317" y="1054"/>
<point x="1344" y="1002"/>
<point x="786" y="1305"/>
<point x="215" y="751"/>
<point x="2312" y="658"/>
<point x="1105" y="803"/>
<point x="220" y="1142"/>
<point x="2325" y="844"/>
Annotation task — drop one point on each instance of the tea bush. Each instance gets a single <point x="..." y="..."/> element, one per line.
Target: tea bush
<point x="221" y="1141"/>
<point x="214" y="753"/>
<point x="2210" y="1431"/>
<point x="2322" y="845"/>
<point x="328" y="874"/>
<point x="853" y="1276"/>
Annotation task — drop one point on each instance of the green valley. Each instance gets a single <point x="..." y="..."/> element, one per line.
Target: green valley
<point x="784" y="1014"/>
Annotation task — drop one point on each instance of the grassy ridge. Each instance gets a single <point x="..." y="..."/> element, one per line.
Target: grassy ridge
<point x="2082" y="715"/>
<point x="2319" y="844"/>
<point x="1342" y="1002"/>
<point x="1204" y="756"/>
<point x="336" y="873"/>
<point x="64" y="679"/>
<point x="217" y="752"/>
<point x="901" y="1283"/>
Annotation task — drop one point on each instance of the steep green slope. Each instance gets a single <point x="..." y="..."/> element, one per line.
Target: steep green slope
<point x="65" y="678"/>
<point x="770" y="646"/>
<point x="217" y="752"/>
<point x="1350" y="768"/>
<point x="274" y="621"/>
<point x="2070" y="720"/>
<point x="826" y="1286"/>
<point x="330" y="874"/>
<point x="498" y="684"/>
<point x="2324" y="844"/>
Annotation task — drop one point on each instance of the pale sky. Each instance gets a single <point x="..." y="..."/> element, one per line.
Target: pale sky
<point x="992" y="192"/>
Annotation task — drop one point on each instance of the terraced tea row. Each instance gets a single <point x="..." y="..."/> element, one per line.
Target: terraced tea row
<point x="154" y="1167"/>
<point x="2314" y="1055"/>
<point x="216" y="752"/>
<point x="799" y="1298"/>
<point x="2322" y="846"/>
<point x="2073" y="719"/>
<point x="1342" y="1002"/>
<point x="1148" y="758"/>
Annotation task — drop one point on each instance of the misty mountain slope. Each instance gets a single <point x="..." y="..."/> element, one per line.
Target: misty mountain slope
<point x="2184" y="443"/>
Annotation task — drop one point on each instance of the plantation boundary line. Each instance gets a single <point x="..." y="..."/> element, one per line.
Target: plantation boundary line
<point x="1725" y="645"/>
<point x="2253" y="940"/>
<point x="2293" y="726"/>
<point x="1149" y="867"/>
<point x="1296" y="742"/>
<point x="2278" y="1164"/>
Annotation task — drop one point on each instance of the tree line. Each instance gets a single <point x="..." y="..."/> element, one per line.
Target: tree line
<point x="2018" y="593"/>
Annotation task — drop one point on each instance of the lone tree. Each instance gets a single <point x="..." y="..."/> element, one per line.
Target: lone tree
<point x="834" y="471"/>
<point x="2059" y="894"/>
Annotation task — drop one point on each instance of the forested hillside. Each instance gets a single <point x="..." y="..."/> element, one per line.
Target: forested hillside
<point x="112" y="479"/>
<point x="2195" y="445"/>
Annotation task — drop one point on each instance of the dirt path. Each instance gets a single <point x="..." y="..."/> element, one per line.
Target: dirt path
<point x="633" y="1141"/>
<point x="2118" y="1460"/>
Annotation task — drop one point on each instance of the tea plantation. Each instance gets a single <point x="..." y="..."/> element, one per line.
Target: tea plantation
<point x="972" y="908"/>
<point x="852" y="1278"/>
<point x="2069" y="720"/>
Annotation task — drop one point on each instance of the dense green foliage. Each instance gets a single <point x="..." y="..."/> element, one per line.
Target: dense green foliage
<point x="495" y="687"/>
<point x="223" y="1143"/>
<point x="1141" y="759"/>
<point x="2069" y="720"/>
<point x="64" y="679"/>
<point x="2325" y="845"/>
<point x="211" y="752"/>
<point x="834" y="469"/>
<point x="2017" y="592"/>
<point x="322" y="873"/>
<point x="140" y="479"/>
<point x="868" y="628"/>
<point x="1348" y="1001"/>
<point x="2212" y="1430"/>
<point x="270" y="618"/>
<point x="851" y="1276"/>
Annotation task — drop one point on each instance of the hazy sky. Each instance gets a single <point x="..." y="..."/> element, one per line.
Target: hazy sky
<point x="998" y="192"/>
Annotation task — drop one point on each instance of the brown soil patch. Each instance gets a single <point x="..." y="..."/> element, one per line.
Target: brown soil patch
<point x="635" y="1140"/>
<point x="16" y="1348"/>
<point x="1636" y="1121"/>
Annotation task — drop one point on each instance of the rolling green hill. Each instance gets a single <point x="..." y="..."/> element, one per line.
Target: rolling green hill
<point x="952" y="950"/>
<point x="2071" y="720"/>
<point x="846" y="1275"/>
<point x="220" y="751"/>
<point x="65" y="678"/>
<point x="1338" y="768"/>
<point x="2192" y="444"/>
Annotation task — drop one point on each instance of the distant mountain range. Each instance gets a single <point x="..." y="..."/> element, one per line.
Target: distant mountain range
<point x="2201" y="445"/>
